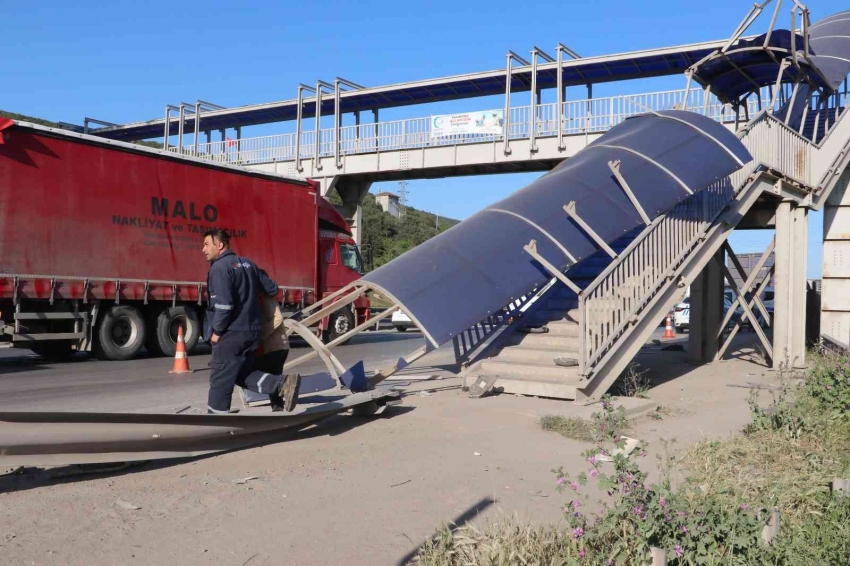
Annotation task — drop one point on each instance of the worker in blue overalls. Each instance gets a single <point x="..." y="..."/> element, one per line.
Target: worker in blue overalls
<point x="232" y="326"/>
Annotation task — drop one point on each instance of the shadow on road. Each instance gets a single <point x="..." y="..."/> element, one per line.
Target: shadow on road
<point x="471" y="513"/>
<point x="25" y="478"/>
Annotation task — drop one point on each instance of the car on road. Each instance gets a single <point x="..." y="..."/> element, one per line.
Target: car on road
<point x="401" y="321"/>
<point x="682" y="313"/>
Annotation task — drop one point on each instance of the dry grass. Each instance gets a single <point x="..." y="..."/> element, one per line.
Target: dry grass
<point x="764" y="466"/>
<point x="571" y="427"/>
<point x="508" y="542"/>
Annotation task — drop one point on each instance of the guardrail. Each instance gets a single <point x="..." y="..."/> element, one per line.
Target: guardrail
<point x="593" y="115"/>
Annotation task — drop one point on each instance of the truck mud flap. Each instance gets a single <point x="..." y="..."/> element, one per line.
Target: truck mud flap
<point x="52" y="439"/>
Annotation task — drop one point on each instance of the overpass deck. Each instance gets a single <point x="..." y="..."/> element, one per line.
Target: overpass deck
<point x="588" y="117"/>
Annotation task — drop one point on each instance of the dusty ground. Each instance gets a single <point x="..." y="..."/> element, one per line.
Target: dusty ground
<point x="350" y="491"/>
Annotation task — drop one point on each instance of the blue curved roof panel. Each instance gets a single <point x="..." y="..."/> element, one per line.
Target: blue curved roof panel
<point x="747" y="62"/>
<point x="477" y="267"/>
<point x="829" y="39"/>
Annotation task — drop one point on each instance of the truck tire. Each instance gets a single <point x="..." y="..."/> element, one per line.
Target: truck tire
<point x="339" y="323"/>
<point x="401" y="328"/>
<point x="120" y="334"/>
<point x="162" y="330"/>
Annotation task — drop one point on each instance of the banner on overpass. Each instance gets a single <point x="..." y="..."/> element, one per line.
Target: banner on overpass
<point x="488" y="122"/>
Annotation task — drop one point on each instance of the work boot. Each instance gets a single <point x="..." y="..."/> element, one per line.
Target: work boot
<point x="276" y="401"/>
<point x="289" y="391"/>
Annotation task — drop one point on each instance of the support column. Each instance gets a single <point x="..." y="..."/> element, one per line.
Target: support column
<point x="706" y="311"/>
<point x="835" y="290"/>
<point x="357" y="226"/>
<point x="789" y="329"/>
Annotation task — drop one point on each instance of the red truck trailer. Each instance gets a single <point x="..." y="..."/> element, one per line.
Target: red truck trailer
<point x="100" y="242"/>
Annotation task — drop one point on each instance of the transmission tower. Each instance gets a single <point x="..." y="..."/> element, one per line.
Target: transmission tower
<point x="402" y="199"/>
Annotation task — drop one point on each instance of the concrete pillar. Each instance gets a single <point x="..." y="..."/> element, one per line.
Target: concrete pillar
<point x="835" y="290"/>
<point x="789" y="320"/>
<point x="706" y="311"/>
<point x="357" y="225"/>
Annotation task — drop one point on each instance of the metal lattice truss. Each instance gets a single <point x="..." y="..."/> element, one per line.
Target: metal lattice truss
<point x="782" y="64"/>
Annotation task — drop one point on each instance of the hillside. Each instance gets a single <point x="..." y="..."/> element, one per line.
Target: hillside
<point x="388" y="237"/>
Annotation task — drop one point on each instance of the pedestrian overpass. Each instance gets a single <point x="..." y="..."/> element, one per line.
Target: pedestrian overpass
<point x="779" y="93"/>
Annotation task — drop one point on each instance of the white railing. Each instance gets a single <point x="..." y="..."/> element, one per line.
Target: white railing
<point x="778" y="147"/>
<point x="609" y="304"/>
<point x="594" y="115"/>
<point x="619" y="294"/>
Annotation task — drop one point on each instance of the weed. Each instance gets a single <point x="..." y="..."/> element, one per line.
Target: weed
<point x="633" y="383"/>
<point x="571" y="427"/>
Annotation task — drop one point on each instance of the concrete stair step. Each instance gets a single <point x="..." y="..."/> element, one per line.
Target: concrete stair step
<point x="549" y="372"/>
<point x="562" y="328"/>
<point x="545" y="315"/>
<point x="560" y="303"/>
<point x="546" y="341"/>
<point x="512" y="378"/>
<point x="521" y="354"/>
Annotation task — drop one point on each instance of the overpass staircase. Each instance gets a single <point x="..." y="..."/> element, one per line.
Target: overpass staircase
<point x="595" y="333"/>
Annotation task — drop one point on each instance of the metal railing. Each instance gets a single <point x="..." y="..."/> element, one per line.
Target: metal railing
<point x="593" y="115"/>
<point x="609" y="304"/>
<point x="778" y="147"/>
<point x="471" y="339"/>
<point x="617" y="296"/>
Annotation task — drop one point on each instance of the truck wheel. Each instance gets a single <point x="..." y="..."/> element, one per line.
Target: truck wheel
<point x="162" y="330"/>
<point x="120" y="334"/>
<point x="339" y="323"/>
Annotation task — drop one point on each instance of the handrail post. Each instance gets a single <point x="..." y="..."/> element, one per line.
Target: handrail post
<point x="508" y="79"/>
<point x="180" y="129"/>
<point x="535" y="53"/>
<point x="560" y="104"/>
<point x="299" y="115"/>
<point x="582" y="334"/>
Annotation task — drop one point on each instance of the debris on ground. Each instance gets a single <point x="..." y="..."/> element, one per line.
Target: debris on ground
<point x="566" y="362"/>
<point x="245" y="480"/>
<point x="127" y="505"/>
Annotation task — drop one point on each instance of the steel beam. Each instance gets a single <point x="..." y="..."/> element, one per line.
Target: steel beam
<point x="52" y="439"/>
<point x="570" y="209"/>
<point x="531" y="249"/>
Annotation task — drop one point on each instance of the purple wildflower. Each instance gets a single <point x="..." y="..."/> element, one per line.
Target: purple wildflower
<point x="578" y="532"/>
<point x="744" y="506"/>
<point x="593" y="472"/>
<point x="581" y="553"/>
<point x="576" y="504"/>
<point x="662" y="502"/>
<point x="592" y="460"/>
<point x="637" y="510"/>
<point x="643" y="454"/>
<point x="685" y="529"/>
<point x="679" y="551"/>
<point x="562" y="481"/>
<point x="574" y="485"/>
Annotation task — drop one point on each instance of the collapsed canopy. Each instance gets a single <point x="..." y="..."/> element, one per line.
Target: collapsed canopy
<point x="471" y="271"/>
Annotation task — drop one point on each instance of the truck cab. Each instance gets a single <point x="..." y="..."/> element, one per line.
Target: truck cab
<point x="340" y="263"/>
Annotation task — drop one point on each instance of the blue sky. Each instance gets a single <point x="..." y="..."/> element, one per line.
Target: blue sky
<point x="122" y="61"/>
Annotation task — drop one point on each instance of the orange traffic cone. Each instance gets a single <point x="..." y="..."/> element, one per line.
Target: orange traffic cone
<point x="181" y="359"/>
<point x="668" y="332"/>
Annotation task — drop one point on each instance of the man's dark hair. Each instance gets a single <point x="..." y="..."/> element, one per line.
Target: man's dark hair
<point x="218" y="234"/>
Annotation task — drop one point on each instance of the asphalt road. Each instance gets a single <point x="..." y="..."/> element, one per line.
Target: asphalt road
<point x="29" y="383"/>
